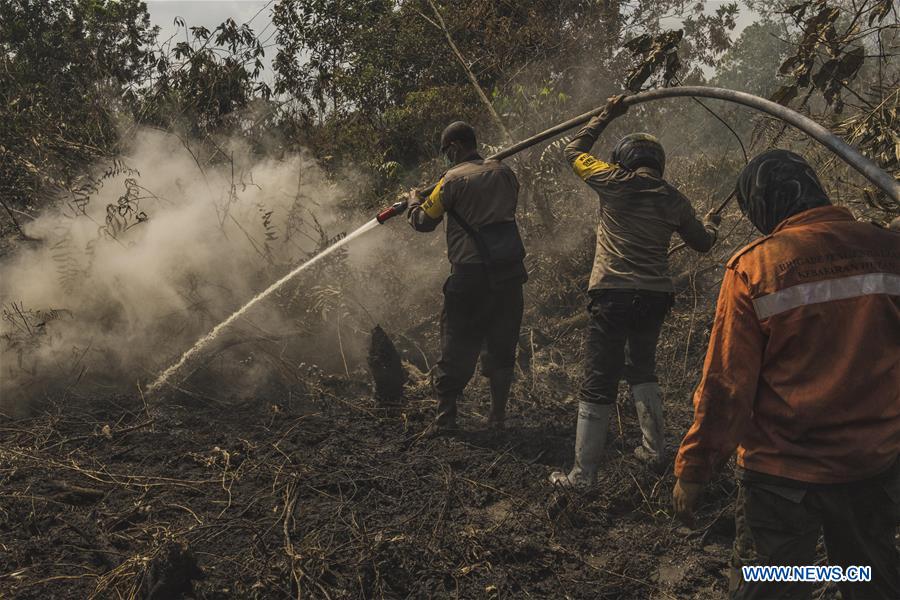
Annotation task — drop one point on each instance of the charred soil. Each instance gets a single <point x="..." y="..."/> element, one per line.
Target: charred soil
<point x="326" y="486"/>
<point x="335" y="498"/>
<point x="315" y="487"/>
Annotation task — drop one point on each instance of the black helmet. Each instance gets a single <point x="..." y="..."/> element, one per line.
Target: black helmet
<point x="640" y="150"/>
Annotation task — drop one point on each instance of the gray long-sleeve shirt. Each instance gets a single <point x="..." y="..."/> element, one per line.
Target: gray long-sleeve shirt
<point x="639" y="213"/>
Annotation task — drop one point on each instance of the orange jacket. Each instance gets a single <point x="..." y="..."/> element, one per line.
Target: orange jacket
<point x="802" y="374"/>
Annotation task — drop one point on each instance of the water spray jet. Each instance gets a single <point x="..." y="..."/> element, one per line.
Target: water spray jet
<point x="209" y="337"/>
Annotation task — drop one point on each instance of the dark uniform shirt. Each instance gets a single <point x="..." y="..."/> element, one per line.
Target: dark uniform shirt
<point x="480" y="191"/>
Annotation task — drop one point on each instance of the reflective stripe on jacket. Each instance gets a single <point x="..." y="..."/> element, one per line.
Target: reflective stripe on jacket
<point x="802" y="373"/>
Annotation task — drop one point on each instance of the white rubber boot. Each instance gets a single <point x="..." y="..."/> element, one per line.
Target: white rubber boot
<point x="590" y="438"/>
<point x="648" y="403"/>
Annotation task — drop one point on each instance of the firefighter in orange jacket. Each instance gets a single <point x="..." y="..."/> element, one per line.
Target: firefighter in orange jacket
<point x="802" y="376"/>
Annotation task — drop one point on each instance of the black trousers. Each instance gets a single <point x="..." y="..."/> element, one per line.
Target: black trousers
<point x="476" y="317"/>
<point x="621" y="340"/>
<point x="778" y="522"/>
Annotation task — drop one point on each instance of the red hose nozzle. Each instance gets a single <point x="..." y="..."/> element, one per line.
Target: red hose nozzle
<point x="391" y="211"/>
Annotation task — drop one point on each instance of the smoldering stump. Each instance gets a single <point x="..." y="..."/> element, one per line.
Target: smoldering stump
<point x="386" y="368"/>
<point x="171" y="573"/>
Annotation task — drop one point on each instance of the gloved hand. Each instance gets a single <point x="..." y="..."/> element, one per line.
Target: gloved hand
<point x="684" y="498"/>
<point x="615" y="107"/>
<point x="413" y="198"/>
<point x="712" y="218"/>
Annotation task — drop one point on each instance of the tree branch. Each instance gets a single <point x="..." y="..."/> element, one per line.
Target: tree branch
<point x="15" y="222"/>
<point x="440" y="24"/>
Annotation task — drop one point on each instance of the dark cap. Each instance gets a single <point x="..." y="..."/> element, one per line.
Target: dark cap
<point x="776" y="185"/>
<point x="458" y="131"/>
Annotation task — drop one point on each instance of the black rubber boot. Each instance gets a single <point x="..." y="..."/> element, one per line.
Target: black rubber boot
<point x="446" y="412"/>
<point x="501" y="381"/>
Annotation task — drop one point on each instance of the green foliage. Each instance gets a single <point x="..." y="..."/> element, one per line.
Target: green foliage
<point x="367" y="86"/>
<point x="751" y="63"/>
<point x="708" y="35"/>
<point x="375" y="82"/>
<point x="202" y="85"/>
<point x="339" y="57"/>
<point x="65" y="70"/>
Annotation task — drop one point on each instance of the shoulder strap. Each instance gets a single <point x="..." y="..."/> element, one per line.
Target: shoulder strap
<point x="479" y="242"/>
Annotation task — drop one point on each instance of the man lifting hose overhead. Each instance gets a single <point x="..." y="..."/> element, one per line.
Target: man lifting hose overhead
<point x="630" y="290"/>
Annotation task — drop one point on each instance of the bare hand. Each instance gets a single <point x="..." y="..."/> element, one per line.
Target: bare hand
<point x="684" y="498"/>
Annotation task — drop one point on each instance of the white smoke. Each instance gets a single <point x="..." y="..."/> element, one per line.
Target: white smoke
<point x="127" y="276"/>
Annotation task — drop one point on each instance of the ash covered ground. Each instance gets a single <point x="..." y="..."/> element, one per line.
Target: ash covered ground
<point x="314" y="490"/>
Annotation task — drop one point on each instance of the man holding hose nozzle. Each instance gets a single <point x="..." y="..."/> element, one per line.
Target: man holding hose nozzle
<point x="802" y="376"/>
<point x="630" y="290"/>
<point x="483" y="300"/>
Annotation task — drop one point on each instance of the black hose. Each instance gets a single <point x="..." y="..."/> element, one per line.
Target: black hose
<point x="727" y="126"/>
<point x="851" y="156"/>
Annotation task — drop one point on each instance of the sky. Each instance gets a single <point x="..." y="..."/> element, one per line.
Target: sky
<point x="210" y="13"/>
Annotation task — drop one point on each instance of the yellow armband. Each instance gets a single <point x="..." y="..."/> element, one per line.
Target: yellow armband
<point x="586" y="165"/>
<point x="433" y="206"/>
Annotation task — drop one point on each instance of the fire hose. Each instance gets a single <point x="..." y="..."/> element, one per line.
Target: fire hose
<point x="842" y="149"/>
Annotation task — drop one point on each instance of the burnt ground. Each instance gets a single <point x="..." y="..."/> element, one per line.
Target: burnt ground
<point x="332" y="500"/>
<point x="307" y="489"/>
<point x="315" y="492"/>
